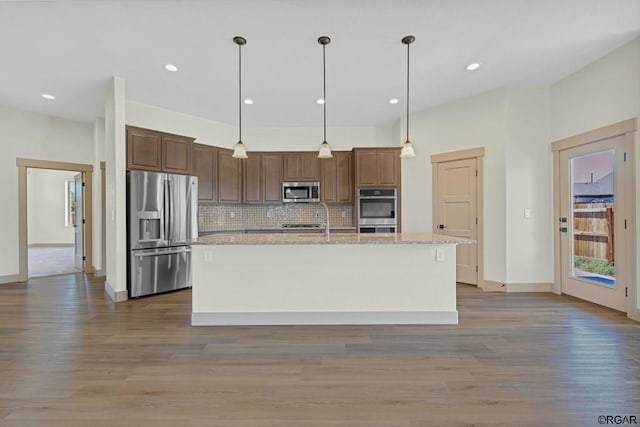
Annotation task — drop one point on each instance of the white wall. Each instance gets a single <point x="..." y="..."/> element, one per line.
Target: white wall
<point x="604" y="92"/>
<point x="477" y="121"/>
<point x="528" y="180"/>
<point x="34" y="136"/>
<point x="256" y="139"/>
<point x="46" y="207"/>
<point x="115" y="148"/>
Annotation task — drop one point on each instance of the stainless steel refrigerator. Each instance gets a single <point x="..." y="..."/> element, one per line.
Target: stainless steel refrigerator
<point x="162" y="218"/>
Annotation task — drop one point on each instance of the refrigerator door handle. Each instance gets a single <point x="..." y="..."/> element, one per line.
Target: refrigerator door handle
<point x="140" y="254"/>
<point x="167" y="211"/>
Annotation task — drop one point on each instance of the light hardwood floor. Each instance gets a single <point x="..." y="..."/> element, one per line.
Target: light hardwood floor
<point x="70" y="357"/>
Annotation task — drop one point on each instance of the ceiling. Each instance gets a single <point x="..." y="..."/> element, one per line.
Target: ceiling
<point x="71" y="49"/>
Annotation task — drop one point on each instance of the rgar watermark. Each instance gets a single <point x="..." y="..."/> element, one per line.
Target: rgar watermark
<point x="618" y="419"/>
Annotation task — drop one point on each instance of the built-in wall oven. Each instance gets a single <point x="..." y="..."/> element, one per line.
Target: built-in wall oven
<point x="377" y="210"/>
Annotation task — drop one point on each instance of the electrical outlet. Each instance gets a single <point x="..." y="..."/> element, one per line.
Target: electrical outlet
<point x="440" y="254"/>
<point x="232" y="214"/>
<point x="344" y="214"/>
<point x="208" y="257"/>
<point x="527" y="213"/>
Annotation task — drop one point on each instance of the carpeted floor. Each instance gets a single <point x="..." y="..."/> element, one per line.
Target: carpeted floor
<point x="48" y="261"/>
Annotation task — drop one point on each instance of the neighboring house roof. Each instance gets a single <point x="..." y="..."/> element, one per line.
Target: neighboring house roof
<point x="601" y="187"/>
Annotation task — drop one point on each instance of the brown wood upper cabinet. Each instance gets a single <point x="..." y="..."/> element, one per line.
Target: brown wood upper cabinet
<point x="158" y="151"/>
<point x="229" y="177"/>
<point x="377" y="167"/>
<point x="262" y="178"/>
<point x="301" y="166"/>
<point x="336" y="180"/>
<point x="205" y="164"/>
<point x="271" y="178"/>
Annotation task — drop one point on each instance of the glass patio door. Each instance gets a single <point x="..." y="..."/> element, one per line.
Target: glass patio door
<point x="592" y="238"/>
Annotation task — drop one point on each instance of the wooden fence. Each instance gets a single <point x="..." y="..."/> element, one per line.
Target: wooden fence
<point x="593" y="230"/>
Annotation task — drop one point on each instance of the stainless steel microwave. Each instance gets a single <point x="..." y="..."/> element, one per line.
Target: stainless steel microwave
<point x="300" y="192"/>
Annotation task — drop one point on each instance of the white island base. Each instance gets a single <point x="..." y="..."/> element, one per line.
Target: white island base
<point x="285" y="282"/>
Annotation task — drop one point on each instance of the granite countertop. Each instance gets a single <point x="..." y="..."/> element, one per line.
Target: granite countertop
<point x="275" y="230"/>
<point x="321" y="239"/>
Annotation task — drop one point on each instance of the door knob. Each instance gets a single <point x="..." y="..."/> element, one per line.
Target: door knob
<point x="441" y="226"/>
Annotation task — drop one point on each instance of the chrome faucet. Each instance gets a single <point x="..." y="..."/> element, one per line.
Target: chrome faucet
<point x="326" y="225"/>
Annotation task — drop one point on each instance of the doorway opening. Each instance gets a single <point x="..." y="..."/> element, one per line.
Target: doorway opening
<point x="54" y="216"/>
<point x="54" y="203"/>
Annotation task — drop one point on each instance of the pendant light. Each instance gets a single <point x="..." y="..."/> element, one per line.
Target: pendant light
<point x="325" y="150"/>
<point x="239" y="152"/>
<point x="407" y="148"/>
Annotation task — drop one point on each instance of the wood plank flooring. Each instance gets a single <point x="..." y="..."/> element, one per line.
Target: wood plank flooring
<point x="70" y="357"/>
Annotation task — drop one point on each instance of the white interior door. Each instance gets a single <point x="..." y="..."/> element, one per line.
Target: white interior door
<point x="592" y="224"/>
<point x="78" y="223"/>
<point x="456" y="200"/>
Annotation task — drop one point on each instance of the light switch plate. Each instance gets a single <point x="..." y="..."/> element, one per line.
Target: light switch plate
<point x="439" y="254"/>
<point x="208" y="257"/>
<point x="527" y="213"/>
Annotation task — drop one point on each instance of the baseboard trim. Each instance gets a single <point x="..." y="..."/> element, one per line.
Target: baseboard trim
<point x="9" y="278"/>
<point x="118" y="296"/>
<point x="491" y="286"/>
<point x="325" y="318"/>
<point x="529" y="287"/>
<point x="51" y="245"/>
<point x="99" y="273"/>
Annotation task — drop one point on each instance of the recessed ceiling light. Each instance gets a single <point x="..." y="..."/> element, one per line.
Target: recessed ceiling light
<point x="248" y="101"/>
<point x="473" y="66"/>
<point x="393" y="101"/>
<point x="171" y="67"/>
<point x="48" y="96"/>
<point x="320" y="101"/>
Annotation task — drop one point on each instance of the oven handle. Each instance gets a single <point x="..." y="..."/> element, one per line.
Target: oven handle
<point x="377" y="197"/>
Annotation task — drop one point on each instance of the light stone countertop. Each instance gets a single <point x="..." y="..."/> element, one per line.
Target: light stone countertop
<point x="321" y="239"/>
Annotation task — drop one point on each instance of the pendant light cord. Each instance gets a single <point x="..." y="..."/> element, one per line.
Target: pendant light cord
<point x="240" y="92"/>
<point x="408" y="91"/>
<point x="324" y="90"/>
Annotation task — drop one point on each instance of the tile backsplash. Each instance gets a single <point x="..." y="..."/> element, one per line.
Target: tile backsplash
<point x="247" y="217"/>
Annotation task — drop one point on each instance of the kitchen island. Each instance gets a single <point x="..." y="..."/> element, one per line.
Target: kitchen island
<point x="307" y="279"/>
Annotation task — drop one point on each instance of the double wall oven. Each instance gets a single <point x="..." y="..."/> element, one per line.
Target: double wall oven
<point x="377" y="210"/>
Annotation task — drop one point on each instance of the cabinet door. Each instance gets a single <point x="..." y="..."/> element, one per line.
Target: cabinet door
<point x="229" y="178"/>
<point x="251" y="183"/>
<point x="388" y="167"/>
<point x="310" y="166"/>
<point x="344" y="177"/>
<point x="271" y="178"/>
<point x="366" y="168"/>
<point x="144" y="149"/>
<point x="205" y="161"/>
<point x="176" y="154"/>
<point x="328" y="177"/>
<point x="292" y="167"/>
